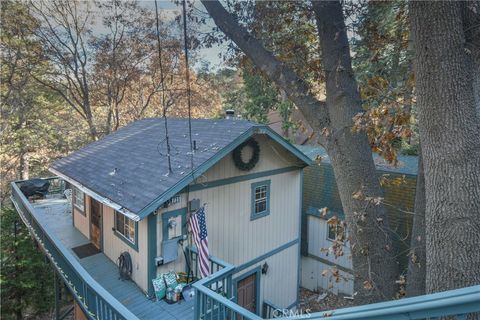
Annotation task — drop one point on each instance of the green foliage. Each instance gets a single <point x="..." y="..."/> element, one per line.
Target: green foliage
<point x="26" y="279"/>
<point x="229" y="85"/>
<point x="35" y="126"/>
<point x="261" y="97"/>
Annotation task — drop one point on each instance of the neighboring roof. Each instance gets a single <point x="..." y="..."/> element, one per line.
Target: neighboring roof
<point x="304" y="134"/>
<point x="406" y="164"/>
<point x="130" y="168"/>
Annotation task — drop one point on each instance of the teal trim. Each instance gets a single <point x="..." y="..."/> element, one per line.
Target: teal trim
<point x="329" y="263"/>
<point x="312" y="211"/>
<point x="300" y="207"/>
<point x="294" y="304"/>
<point x="256" y="215"/>
<point x="194" y="175"/>
<point x="170" y="214"/>
<point x="152" y="252"/>
<point x="266" y="255"/>
<point x="149" y="209"/>
<point x="258" y="271"/>
<point x="287" y="145"/>
<point x="246" y="177"/>
<point x="132" y="245"/>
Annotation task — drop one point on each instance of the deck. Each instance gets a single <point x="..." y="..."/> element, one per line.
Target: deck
<point x="102" y="295"/>
<point x="54" y="217"/>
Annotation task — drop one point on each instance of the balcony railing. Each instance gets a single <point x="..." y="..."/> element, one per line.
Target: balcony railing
<point x="271" y="311"/>
<point x="95" y="301"/>
<point x="214" y="294"/>
<point x="215" y="301"/>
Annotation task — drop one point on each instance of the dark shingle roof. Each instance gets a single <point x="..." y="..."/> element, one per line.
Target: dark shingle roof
<point x="406" y="164"/>
<point x="130" y="168"/>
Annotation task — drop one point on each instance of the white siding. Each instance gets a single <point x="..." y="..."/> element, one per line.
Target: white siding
<point x="272" y="156"/>
<point x="234" y="238"/>
<point x="312" y="269"/>
<point x="313" y="279"/>
<point x="317" y="240"/>
<point x="279" y="285"/>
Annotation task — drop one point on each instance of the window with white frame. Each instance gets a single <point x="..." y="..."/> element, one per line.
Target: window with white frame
<point x="79" y="199"/>
<point x="125" y="226"/>
<point x="260" y="199"/>
<point x="336" y="232"/>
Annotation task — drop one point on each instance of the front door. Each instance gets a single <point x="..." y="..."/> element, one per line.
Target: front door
<point x="247" y="293"/>
<point x="95" y="222"/>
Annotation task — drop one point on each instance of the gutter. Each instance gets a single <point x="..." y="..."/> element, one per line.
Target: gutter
<point x="98" y="197"/>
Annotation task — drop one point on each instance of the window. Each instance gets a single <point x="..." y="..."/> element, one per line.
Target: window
<point x="78" y="199"/>
<point x="260" y="199"/>
<point x="335" y="232"/>
<point x="125" y="226"/>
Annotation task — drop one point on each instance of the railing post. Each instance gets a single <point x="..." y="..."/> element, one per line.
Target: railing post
<point x="229" y="286"/>
<point x="196" y="307"/>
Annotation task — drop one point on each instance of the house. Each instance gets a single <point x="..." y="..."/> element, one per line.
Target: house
<point x="126" y="199"/>
<point x="320" y="191"/>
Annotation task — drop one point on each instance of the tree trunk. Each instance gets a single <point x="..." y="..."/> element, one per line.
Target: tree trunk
<point x="373" y="259"/>
<point x="24" y="165"/>
<point x="417" y="260"/>
<point x="373" y="262"/>
<point x="450" y="142"/>
<point x="91" y="127"/>
<point x="471" y="27"/>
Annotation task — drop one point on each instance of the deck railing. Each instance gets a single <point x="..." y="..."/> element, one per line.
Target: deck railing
<point x="214" y="298"/>
<point x="461" y="303"/>
<point x="96" y="302"/>
<point x="270" y="311"/>
<point x="211" y="304"/>
<point x="214" y="294"/>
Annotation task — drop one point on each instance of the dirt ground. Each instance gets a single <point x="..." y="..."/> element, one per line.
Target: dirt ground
<point x="322" y="301"/>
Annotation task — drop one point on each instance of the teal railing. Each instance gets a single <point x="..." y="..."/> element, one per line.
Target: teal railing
<point x="96" y="302"/>
<point x="215" y="301"/>
<point x="461" y="303"/>
<point x="214" y="294"/>
<point x="270" y="311"/>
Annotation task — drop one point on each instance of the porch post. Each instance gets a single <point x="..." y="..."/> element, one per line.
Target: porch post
<point x="152" y="252"/>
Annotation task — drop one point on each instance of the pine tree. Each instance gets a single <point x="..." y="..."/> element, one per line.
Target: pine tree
<point x="25" y="277"/>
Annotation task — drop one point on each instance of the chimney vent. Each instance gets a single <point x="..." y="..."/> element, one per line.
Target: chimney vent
<point x="229" y="114"/>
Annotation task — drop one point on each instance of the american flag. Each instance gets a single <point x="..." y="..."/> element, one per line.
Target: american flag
<point x="199" y="232"/>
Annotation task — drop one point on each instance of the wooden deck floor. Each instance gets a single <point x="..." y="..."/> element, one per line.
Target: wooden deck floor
<point x="56" y="219"/>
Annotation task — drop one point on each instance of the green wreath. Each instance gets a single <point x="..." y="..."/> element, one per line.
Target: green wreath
<point x="237" y="155"/>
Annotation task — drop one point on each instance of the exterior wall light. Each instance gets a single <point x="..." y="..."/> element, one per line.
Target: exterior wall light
<point x="265" y="268"/>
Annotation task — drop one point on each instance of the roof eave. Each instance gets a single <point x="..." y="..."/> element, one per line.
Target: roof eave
<point x="179" y="186"/>
<point x="97" y="196"/>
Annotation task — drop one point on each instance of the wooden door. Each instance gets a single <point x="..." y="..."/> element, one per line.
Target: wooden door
<point x="247" y="293"/>
<point x="95" y="223"/>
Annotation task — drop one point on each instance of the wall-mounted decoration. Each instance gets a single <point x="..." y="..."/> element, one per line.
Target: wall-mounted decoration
<point x="237" y="155"/>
